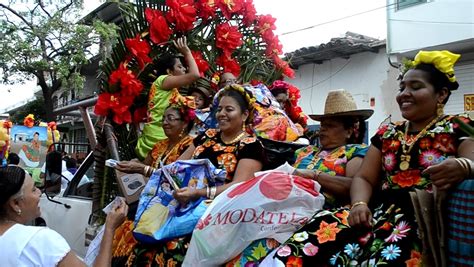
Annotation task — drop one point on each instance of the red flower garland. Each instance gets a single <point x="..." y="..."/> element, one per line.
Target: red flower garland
<point x="206" y="9"/>
<point x="229" y="64"/>
<point x="182" y="13"/>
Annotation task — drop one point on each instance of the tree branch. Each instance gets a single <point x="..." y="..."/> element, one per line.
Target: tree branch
<point x="41" y="4"/>
<point x="18" y="15"/>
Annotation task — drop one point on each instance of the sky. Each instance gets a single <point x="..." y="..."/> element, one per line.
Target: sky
<point x="292" y="16"/>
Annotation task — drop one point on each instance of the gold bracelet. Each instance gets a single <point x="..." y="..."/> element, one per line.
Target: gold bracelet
<point x="464" y="164"/>
<point x="358" y="203"/>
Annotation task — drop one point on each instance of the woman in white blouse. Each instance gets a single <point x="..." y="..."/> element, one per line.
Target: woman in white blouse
<point x="22" y="245"/>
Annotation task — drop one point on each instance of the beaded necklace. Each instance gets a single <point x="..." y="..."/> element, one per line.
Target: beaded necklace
<point x="237" y="138"/>
<point x="405" y="157"/>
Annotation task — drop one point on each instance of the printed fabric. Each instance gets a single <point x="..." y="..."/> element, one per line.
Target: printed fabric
<point x="328" y="240"/>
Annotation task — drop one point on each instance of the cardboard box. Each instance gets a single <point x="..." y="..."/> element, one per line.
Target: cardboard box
<point x="131" y="185"/>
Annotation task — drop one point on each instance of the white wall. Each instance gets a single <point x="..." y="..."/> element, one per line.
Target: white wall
<point x="364" y="75"/>
<point x="429" y="24"/>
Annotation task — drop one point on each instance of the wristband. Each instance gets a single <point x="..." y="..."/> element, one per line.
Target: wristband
<point x="358" y="203"/>
<point x="213" y="192"/>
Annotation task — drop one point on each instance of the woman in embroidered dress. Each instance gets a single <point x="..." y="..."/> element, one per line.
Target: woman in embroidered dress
<point x="231" y="148"/>
<point x="333" y="165"/>
<point x="172" y="75"/>
<point x="22" y="245"/>
<point x="423" y="151"/>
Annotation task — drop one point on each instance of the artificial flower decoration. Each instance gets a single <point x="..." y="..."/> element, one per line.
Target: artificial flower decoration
<point x="160" y="31"/>
<point x="29" y="120"/>
<point x="443" y="60"/>
<point x="186" y="105"/>
<point x="206" y="9"/>
<point x="202" y="64"/>
<point x="182" y="13"/>
<point x="265" y="26"/>
<point x="228" y="64"/>
<point x="53" y="134"/>
<point x="228" y="38"/>
<point x="274" y="47"/>
<point x="229" y="7"/>
<point x="282" y="65"/>
<point x="249" y="13"/>
<point x="124" y="79"/>
<point x="139" y="49"/>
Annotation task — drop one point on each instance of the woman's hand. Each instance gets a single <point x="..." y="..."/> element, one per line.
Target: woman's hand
<point x="446" y="174"/>
<point x="182" y="45"/>
<point x="185" y="195"/>
<point x="308" y="174"/>
<point x="116" y="216"/>
<point x="360" y="216"/>
<point x="130" y="166"/>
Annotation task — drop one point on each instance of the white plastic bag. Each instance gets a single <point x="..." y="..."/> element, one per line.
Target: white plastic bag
<point x="272" y="205"/>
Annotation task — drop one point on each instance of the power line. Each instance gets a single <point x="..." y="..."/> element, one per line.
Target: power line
<point x="434" y="22"/>
<point x="335" y="20"/>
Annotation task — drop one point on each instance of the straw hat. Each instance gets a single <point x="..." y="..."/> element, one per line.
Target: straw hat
<point x="341" y="103"/>
<point x="201" y="89"/>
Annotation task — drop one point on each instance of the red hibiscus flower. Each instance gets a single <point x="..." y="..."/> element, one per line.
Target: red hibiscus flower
<point x="229" y="64"/>
<point x="182" y="13"/>
<point x="117" y="104"/>
<point x="126" y="81"/>
<point x="265" y="26"/>
<point x="294" y="261"/>
<point x="248" y="12"/>
<point x="407" y="178"/>
<point x="229" y="7"/>
<point x="139" y="49"/>
<point x="202" y="64"/>
<point x="228" y="38"/>
<point x="159" y="29"/>
<point x="206" y="9"/>
<point x="444" y="142"/>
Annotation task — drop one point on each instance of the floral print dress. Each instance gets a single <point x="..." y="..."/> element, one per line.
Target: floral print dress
<point x="332" y="161"/>
<point x="207" y="145"/>
<point x="393" y="238"/>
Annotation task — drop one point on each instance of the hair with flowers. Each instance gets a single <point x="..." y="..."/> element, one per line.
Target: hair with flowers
<point x="248" y="96"/>
<point x="185" y="105"/>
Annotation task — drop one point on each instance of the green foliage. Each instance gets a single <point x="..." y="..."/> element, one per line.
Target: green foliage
<point x="46" y="42"/>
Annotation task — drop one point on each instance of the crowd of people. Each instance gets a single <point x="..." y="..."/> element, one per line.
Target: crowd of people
<point x="368" y="218"/>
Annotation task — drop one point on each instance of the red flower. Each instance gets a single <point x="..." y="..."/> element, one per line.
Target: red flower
<point x="52" y="125"/>
<point x="229" y="64"/>
<point x="229" y="7"/>
<point x="7" y="124"/>
<point x="202" y="64"/>
<point x="407" y="178"/>
<point x="249" y="13"/>
<point x="124" y="79"/>
<point x="119" y="105"/>
<point x="228" y="38"/>
<point x="206" y="9"/>
<point x="139" y="49"/>
<point x="390" y="145"/>
<point x="274" y="47"/>
<point x="29" y="120"/>
<point x="282" y="65"/>
<point x="265" y="26"/>
<point x="159" y="29"/>
<point x="425" y="143"/>
<point x="381" y="130"/>
<point x="182" y="13"/>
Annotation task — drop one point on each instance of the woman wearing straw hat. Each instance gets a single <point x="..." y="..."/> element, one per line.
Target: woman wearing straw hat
<point x="333" y="164"/>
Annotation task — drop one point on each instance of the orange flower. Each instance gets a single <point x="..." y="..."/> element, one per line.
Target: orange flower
<point x="415" y="259"/>
<point x="327" y="232"/>
<point x="29" y="120"/>
<point x="425" y="143"/>
<point x="407" y="178"/>
<point x="294" y="262"/>
<point x="390" y="145"/>
<point x="343" y="216"/>
<point x="444" y="142"/>
<point x="170" y="245"/>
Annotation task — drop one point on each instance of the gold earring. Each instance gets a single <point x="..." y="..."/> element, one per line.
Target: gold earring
<point x="439" y="109"/>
